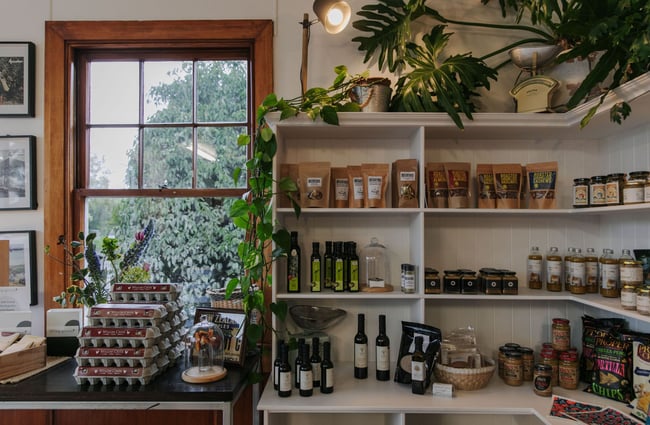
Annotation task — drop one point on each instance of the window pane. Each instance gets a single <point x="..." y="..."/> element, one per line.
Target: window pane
<point x="218" y="155"/>
<point x="113" y="158"/>
<point x="168" y="92"/>
<point x="222" y="91"/>
<point x="167" y="157"/>
<point x="114" y="92"/>
<point x="194" y="242"/>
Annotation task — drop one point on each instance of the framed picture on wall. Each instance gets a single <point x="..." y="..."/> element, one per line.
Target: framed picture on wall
<point x="17" y="173"/>
<point x="232" y="324"/>
<point x="17" y="79"/>
<point x="18" y="284"/>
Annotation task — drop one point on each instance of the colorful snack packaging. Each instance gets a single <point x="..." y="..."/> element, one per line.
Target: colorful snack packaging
<point x="405" y="193"/>
<point x="457" y="174"/>
<point x="507" y="183"/>
<point x="542" y="177"/>
<point x="314" y="183"/>
<point x="487" y="195"/>
<point x="375" y="183"/>
<point x="436" y="182"/>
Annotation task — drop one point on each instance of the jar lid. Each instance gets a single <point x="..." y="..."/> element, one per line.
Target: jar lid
<point x="599" y="178"/>
<point x="430" y="270"/>
<point x="561" y="321"/>
<point x="581" y="180"/>
<point x="541" y="367"/>
<point x="568" y="355"/>
<point x="548" y="354"/>
<point x="512" y="345"/>
<point x="525" y="350"/>
<point x="616" y="175"/>
<point x="408" y="267"/>
<point x="513" y="353"/>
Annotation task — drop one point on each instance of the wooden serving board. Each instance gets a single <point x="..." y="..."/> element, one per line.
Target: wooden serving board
<point x="385" y="288"/>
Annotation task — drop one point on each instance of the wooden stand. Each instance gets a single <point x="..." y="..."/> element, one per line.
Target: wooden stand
<point x="385" y="288"/>
<point x="194" y="376"/>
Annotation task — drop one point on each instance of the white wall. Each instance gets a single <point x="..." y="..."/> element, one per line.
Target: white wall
<point x="24" y="21"/>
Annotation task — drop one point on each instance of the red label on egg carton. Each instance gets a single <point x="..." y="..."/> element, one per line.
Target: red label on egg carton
<point x="111" y="352"/>
<point x="118" y="332"/>
<point x="110" y="371"/>
<point x="128" y="287"/>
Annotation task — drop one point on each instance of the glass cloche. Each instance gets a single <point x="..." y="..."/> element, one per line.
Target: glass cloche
<point x="374" y="265"/>
<point x="205" y="356"/>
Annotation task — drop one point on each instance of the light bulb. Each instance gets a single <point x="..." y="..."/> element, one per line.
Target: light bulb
<point x="335" y="16"/>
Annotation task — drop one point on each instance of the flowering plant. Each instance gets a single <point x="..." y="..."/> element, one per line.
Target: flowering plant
<point x="101" y="268"/>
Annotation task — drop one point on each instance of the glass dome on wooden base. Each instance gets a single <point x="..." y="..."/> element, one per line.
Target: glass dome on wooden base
<point x="204" y="353"/>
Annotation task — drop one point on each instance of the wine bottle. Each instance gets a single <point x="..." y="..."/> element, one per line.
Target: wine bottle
<point x="418" y="368"/>
<point x="315" y="271"/>
<point x="328" y="266"/>
<point x="382" y="344"/>
<point x="293" y="265"/>
<point x="298" y="362"/>
<point x="276" y="365"/>
<point x="306" y="374"/>
<point x="361" y="349"/>
<point x="315" y="360"/>
<point x="284" y="373"/>
<point x="326" y="371"/>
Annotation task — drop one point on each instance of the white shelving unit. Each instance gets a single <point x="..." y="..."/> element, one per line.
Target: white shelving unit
<point x="467" y="238"/>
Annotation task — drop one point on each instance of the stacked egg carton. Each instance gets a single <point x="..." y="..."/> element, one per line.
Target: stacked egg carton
<point x="134" y="338"/>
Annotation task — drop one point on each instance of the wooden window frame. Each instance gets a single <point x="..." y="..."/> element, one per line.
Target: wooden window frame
<point x="62" y="40"/>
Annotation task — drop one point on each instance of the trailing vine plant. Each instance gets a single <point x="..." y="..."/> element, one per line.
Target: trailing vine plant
<point x="264" y="241"/>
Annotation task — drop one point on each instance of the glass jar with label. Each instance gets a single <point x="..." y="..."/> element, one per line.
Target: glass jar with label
<point x="643" y="301"/>
<point x="542" y="380"/>
<point x="630" y="270"/>
<point x="597" y="196"/>
<point x="614" y="189"/>
<point x="553" y="270"/>
<point x="634" y="189"/>
<point x="568" y="370"/>
<point x="591" y="271"/>
<point x="528" y="359"/>
<point x="628" y="297"/>
<point x="432" y="281"/>
<point x="492" y="281"/>
<point x="513" y="368"/>
<point x="510" y="282"/>
<point x="566" y="269"/>
<point x="609" y="274"/>
<point x="408" y="279"/>
<point x="549" y="356"/>
<point x="577" y="273"/>
<point x="561" y="334"/>
<point x="534" y="268"/>
<point x="581" y="193"/>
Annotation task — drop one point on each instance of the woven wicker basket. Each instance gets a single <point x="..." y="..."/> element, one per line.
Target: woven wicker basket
<point x="465" y="378"/>
<point x="218" y="299"/>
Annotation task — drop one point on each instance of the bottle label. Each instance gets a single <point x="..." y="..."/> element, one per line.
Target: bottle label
<point x="329" y="378"/>
<point x="534" y="270"/>
<point x="293" y="270"/>
<point x="354" y="275"/>
<point x="361" y="355"/>
<point x="383" y="358"/>
<point x="306" y="380"/>
<point x="609" y="276"/>
<point x="577" y="273"/>
<point x="553" y="271"/>
<point x="338" y="274"/>
<point x="315" y="275"/>
<point x="315" y="367"/>
<point x="632" y="275"/>
<point x="580" y="195"/>
<point x="417" y="371"/>
<point x="285" y="381"/>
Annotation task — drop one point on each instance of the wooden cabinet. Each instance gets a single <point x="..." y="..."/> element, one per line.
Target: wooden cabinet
<point x="460" y="238"/>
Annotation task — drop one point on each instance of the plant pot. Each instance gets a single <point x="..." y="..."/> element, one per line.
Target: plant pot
<point x="373" y="95"/>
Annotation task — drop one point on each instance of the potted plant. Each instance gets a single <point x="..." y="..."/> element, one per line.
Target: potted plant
<point x="102" y="267"/>
<point x="617" y="31"/>
<point x="264" y="242"/>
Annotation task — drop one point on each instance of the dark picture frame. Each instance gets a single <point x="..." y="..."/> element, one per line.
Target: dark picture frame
<point x="18" y="283"/>
<point x="233" y="325"/>
<point x="18" y="173"/>
<point x="17" y="78"/>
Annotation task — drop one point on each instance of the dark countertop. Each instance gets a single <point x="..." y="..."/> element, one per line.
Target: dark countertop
<point x="57" y="384"/>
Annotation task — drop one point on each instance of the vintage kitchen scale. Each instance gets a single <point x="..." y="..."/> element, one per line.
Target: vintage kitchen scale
<point x="534" y="93"/>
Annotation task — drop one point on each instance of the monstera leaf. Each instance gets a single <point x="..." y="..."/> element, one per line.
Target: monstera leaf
<point x="389" y="25"/>
<point x="434" y="86"/>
